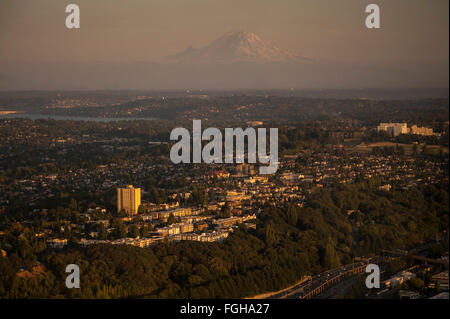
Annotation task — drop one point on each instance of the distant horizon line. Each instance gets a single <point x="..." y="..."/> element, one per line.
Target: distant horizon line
<point x="184" y="90"/>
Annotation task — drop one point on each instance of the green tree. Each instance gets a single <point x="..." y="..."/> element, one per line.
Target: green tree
<point x="171" y="219"/>
<point x="102" y="234"/>
<point x="134" y="231"/>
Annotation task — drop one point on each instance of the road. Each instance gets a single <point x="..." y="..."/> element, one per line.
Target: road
<point x="319" y="283"/>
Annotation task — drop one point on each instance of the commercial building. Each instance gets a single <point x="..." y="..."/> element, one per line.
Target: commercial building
<point x="204" y="237"/>
<point x="398" y="279"/>
<point x="442" y="279"/>
<point x="129" y="199"/>
<point x="233" y="196"/>
<point x="178" y="212"/>
<point x="201" y="226"/>
<point x="186" y="228"/>
<point x="57" y="243"/>
<point x="421" y="130"/>
<point x="393" y="129"/>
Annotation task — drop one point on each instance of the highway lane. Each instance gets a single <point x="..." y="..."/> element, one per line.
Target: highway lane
<point x="324" y="279"/>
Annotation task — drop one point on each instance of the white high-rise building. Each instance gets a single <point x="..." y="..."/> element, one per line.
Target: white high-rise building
<point x="393" y="129"/>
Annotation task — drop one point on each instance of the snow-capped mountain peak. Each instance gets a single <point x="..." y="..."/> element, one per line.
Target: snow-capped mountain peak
<point x="237" y="45"/>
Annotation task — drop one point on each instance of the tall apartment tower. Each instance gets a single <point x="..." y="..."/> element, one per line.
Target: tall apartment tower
<point x="129" y="199"/>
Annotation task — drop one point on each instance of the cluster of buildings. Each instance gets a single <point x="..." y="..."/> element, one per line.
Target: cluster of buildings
<point x="138" y="242"/>
<point x="238" y="188"/>
<point x="403" y="276"/>
<point x="399" y="278"/>
<point x="192" y="222"/>
<point x="204" y="237"/>
<point x="320" y="170"/>
<point x="245" y="188"/>
<point x="441" y="279"/>
<point x="323" y="170"/>
<point x="395" y="129"/>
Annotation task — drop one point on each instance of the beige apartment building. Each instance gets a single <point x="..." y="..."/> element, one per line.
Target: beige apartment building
<point x="129" y="199"/>
<point x="393" y="129"/>
<point x="421" y="130"/>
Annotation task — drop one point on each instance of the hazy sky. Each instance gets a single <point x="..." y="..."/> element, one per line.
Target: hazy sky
<point x="140" y="30"/>
<point x="413" y="32"/>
